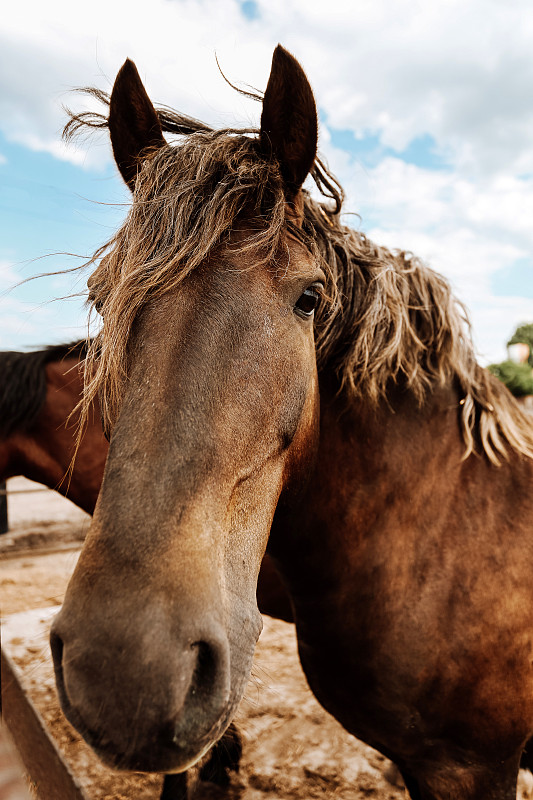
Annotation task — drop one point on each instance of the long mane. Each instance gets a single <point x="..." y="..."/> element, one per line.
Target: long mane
<point x="392" y="318"/>
<point x="23" y="383"/>
<point x="398" y="320"/>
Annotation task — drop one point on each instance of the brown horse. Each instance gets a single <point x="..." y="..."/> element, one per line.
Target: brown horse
<point x="39" y="392"/>
<point x="269" y="377"/>
<point x="38" y="430"/>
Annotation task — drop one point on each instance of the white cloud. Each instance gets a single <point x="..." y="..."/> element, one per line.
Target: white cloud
<point x="498" y="211"/>
<point x="465" y="230"/>
<point x="24" y="322"/>
<point x="459" y="71"/>
<point x="174" y="49"/>
<point x="491" y="323"/>
<point x="8" y="276"/>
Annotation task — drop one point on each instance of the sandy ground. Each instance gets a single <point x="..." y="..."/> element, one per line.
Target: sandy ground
<point x="292" y="747"/>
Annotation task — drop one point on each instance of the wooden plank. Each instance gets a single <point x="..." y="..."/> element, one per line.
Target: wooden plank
<point x="44" y="763"/>
<point x="21" y="551"/>
<point x="12" y="783"/>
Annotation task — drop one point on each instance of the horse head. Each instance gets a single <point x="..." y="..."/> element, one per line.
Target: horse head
<point x="208" y="297"/>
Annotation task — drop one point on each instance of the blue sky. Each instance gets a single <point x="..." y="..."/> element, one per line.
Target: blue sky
<point x="53" y="216"/>
<point x="425" y="111"/>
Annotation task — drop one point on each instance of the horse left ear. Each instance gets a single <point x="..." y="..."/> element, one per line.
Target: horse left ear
<point x="289" y="128"/>
<point x="133" y="122"/>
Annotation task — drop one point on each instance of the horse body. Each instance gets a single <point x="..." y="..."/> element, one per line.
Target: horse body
<point x="38" y="424"/>
<point x="411" y="595"/>
<point x="391" y="474"/>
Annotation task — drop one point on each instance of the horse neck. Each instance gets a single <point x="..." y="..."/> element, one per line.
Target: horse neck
<point x="376" y="468"/>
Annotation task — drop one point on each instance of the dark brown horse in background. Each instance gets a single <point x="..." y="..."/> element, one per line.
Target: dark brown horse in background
<point x="39" y="392"/>
<point x="272" y="379"/>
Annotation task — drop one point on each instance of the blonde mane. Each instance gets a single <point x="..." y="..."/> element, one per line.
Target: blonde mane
<point x="392" y="318"/>
<point x="398" y="320"/>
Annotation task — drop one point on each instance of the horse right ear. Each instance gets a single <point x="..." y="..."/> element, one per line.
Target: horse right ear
<point x="133" y="123"/>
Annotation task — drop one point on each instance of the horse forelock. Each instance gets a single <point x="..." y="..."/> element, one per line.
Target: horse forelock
<point x="392" y="318"/>
<point x="188" y="199"/>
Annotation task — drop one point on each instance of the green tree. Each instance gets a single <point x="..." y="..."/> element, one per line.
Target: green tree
<point x="524" y="333"/>
<point x="517" y="377"/>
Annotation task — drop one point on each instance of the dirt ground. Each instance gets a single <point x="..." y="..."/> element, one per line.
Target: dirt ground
<point x="292" y="748"/>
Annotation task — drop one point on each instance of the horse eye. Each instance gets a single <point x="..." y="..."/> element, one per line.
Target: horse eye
<point x="307" y="302"/>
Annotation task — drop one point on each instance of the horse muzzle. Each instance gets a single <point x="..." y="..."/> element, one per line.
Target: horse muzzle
<point x="146" y="711"/>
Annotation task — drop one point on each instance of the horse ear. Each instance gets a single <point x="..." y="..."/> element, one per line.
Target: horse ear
<point x="133" y="122"/>
<point x="289" y="128"/>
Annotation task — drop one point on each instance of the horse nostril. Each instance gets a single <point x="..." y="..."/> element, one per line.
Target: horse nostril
<point x="209" y="687"/>
<point x="206" y="667"/>
<point x="56" y="646"/>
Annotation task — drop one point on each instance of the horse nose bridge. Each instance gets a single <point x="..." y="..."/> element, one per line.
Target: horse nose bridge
<point x="155" y="474"/>
<point x="186" y="416"/>
<point x="153" y="598"/>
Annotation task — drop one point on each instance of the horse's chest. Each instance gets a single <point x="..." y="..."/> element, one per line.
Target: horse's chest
<point x="345" y="671"/>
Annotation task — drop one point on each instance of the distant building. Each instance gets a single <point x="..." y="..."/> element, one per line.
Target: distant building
<point x="526" y="402"/>
<point x="519" y="353"/>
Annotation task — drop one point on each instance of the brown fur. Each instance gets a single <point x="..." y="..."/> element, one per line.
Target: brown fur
<point x="41" y="390"/>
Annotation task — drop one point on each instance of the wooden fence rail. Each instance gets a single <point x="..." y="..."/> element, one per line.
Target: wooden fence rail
<point x="49" y="772"/>
<point x="4" y="492"/>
